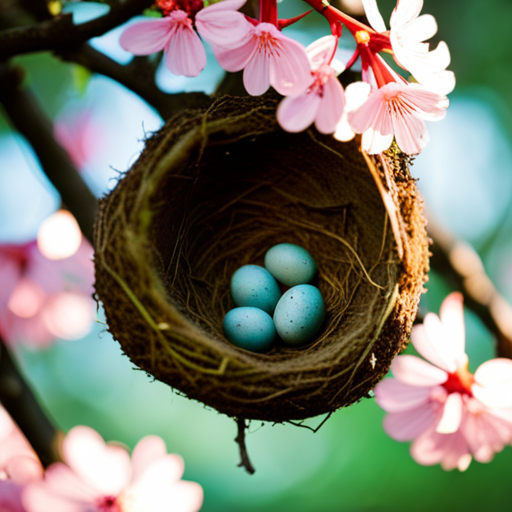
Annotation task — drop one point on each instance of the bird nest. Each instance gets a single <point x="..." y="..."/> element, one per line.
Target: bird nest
<point x="213" y="190"/>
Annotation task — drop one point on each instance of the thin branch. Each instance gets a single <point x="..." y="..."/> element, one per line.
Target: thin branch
<point x="27" y="117"/>
<point x="19" y="401"/>
<point x="141" y="83"/>
<point x="240" y="440"/>
<point x="314" y="430"/>
<point x="460" y="263"/>
<point x="60" y="32"/>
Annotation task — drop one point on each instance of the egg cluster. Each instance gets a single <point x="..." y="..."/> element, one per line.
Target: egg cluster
<point x="264" y="313"/>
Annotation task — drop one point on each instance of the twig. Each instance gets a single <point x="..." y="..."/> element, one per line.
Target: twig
<point x="314" y="430"/>
<point x="19" y="401"/>
<point x="140" y="83"/>
<point x="240" y="440"/>
<point x="60" y="32"/>
<point x="27" y="117"/>
<point x="460" y="263"/>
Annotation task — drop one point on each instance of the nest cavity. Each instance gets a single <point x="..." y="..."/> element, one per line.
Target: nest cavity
<point x="215" y="189"/>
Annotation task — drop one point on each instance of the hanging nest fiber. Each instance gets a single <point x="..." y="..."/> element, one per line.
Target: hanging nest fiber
<point x="214" y="190"/>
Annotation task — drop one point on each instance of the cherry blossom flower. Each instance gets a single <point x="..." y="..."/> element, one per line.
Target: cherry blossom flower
<point x="407" y="36"/>
<point x="19" y="464"/>
<point x="98" y="477"/>
<point x="450" y="414"/>
<point x="41" y="299"/>
<point x="21" y="471"/>
<point x="267" y="57"/>
<point x="13" y="443"/>
<point x="396" y="110"/>
<point x="174" y="33"/>
<point x="324" y="99"/>
<point x="222" y="25"/>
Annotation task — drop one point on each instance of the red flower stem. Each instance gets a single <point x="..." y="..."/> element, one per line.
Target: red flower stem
<point x="335" y="16"/>
<point x="268" y="12"/>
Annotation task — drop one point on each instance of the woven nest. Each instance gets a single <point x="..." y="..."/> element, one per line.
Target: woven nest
<point x="214" y="190"/>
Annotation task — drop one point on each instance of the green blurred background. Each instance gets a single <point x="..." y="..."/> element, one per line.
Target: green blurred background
<point x="350" y="465"/>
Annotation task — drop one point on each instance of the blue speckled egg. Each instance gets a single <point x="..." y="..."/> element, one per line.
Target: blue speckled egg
<point x="252" y="285"/>
<point x="290" y="264"/>
<point x="250" y="328"/>
<point x="299" y="314"/>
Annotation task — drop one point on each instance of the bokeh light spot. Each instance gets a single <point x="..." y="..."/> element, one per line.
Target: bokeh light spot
<point x="59" y="236"/>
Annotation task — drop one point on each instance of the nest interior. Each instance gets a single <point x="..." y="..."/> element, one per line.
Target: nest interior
<point x="214" y="190"/>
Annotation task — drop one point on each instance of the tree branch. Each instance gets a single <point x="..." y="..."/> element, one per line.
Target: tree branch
<point x="27" y="117"/>
<point x="240" y="440"/>
<point x="460" y="263"/>
<point x="19" y="401"/>
<point x="60" y="32"/>
<point x="140" y="83"/>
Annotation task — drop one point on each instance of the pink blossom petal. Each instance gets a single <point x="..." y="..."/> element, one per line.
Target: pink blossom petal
<point x="355" y="95"/>
<point x="37" y="498"/>
<point x="452" y="318"/>
<point x="408" y="425"/>
<point x="158" y="489"/>
<point x="222" y="25"/>
<point x="23" y="469"/>
<point x="494" y="396"/>
<point x="106" y="468"/>
<point x="452" y="415"/>
<point x="430" y="341"/>
<point x="163" y="471"/>
<point x="148" y="450"/>
<point x="420" y="29"/>
<point x="395" y="396"/>
<point x="181" y="496"/>
<point x="374" y="17"/>
<point x="290" y="72"/>
<point x="414" y="371"/>
<point x="320" y="51"/>
<point x="373" y="142"/>
<point x="61" y="480"/>
<point x="257" y="74"/>
<point x="184" y="52"/>
<point x="235" y="59"/>
<point x="451" y="450"/>
<point x="493" y="383"/>
<point x="10" y="497"/>
<point x="411" y="134"/>
<point x="405" y="11"/>
<point x="486" y="435"/>
<point x="147" y="37"/>
<point x="296" y="113"/>
<point x="331" y="106"/>
<point x="494" y="372"/>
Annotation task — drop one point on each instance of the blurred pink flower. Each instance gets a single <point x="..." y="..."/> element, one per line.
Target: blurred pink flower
<point x="20" y="471"/>
<point x="19" y="464"/>
<point x="79" y="136"/>
<point x="407" y="36"/>
<point x="323" y="100"/>
<point x="174" y="33"/>
<point x="98" y="477"/>
<point x="13" y="443"/>
<point x="450" y="413"/>
<point x="42" y="299"/>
